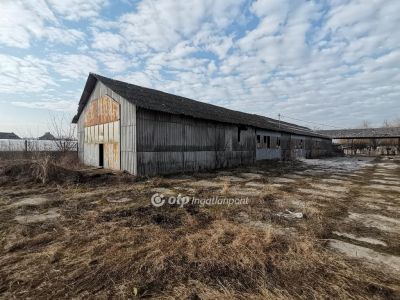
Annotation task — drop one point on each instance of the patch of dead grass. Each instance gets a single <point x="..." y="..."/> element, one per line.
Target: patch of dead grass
<point x="128" y="250"/>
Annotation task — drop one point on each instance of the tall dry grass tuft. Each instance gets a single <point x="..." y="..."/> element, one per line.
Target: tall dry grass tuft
<point x="225" y="188"/>
<point x="41" y="168"/>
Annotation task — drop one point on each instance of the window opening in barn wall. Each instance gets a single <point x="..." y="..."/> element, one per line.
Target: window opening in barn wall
<point x="258" y="139"/>
<point x="278" y="141"/>
<point x="238" y="135"/>
<point x="268" y="142"/>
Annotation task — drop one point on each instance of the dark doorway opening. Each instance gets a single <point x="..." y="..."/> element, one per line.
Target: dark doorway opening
<point x="101" y="155"/>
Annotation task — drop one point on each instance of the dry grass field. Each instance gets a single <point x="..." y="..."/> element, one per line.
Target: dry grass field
<point x="312" y="229"/>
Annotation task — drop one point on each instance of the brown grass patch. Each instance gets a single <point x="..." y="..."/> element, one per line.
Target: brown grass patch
<point x="132" y="250"/>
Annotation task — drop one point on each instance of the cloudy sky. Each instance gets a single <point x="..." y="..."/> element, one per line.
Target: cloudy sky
<point x="334" y="62"/>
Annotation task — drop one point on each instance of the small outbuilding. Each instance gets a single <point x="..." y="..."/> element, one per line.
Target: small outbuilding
<point x="143" y="131"/>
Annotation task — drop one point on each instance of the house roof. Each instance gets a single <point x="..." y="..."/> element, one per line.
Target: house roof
<point x="47" y="136"/>
<point x="383" y="132"/>
<point x="9" y="136"/>
<point x="173" y="104"/>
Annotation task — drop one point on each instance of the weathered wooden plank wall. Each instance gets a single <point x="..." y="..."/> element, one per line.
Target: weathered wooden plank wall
<point x="321" y="147"/>
<point x="128" y="136"/>
<point x="274" y="151"/>
<point x="298" y="147"/>
<point x="89" y="151"/>
<point x="169" y="143"/>
<point x="285" y="146"/>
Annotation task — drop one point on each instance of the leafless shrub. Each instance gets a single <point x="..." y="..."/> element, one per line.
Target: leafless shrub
<point x="64" y="132"/>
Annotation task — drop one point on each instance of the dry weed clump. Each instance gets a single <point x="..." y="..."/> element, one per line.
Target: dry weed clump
<point x="44" y="168"/>
<point x="69" y="160"/>
<point x="225" y="188"/>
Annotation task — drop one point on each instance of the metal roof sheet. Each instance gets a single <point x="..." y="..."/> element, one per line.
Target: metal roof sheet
<point x="382" y="132"/>
<point x="169" y="103"/>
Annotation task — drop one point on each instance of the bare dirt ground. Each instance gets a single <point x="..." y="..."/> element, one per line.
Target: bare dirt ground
<point x="327" y="228"/>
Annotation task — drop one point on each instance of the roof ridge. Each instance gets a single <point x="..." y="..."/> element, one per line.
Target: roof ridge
<point x="153" y="99"/>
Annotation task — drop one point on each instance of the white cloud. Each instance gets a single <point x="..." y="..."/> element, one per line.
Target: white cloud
<point x="219" y="45"/>
<point x="272" y="12"/>
<point x="160" y="26"/>
<point x="64" y="36"/>
<point x="53" y="105"/>
<point x="115" y="63"/>
<point x="23" y="75"/>
<point x="335" y="61"/>
<point x="107" y="41"/>
<point x="77" y="9"/>
<point x="23" y="21"/>
<point x="74" y="66"/>
<point x="138" y="78"/>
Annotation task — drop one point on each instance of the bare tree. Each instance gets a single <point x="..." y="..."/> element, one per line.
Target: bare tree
<point x="365" y="124"/>
<point x="64" y="132"/>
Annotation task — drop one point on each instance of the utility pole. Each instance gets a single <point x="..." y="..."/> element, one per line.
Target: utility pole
<point x="279" y="118"/>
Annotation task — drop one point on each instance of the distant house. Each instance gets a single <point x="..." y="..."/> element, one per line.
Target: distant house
<point x="9" y="136"/>
<point x="47" y="137"/>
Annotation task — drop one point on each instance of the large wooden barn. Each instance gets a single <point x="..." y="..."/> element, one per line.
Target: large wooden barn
<point x="143" y="131"/>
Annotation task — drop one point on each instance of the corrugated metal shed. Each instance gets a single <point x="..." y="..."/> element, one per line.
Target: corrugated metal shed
<point x="168" y="103"/>
<point x="364" y="133"/>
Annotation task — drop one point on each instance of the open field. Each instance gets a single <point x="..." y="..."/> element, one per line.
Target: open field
<point x="326" y="228"/>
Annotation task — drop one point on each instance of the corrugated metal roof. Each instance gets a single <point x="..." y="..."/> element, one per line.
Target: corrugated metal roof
<point x="169" y="103"/>
<point x="9" y="136"/>
<point x="383" y="132"/>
